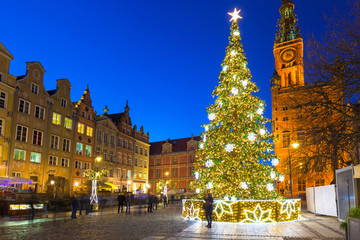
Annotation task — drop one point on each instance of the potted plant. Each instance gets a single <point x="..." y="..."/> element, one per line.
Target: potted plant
<point x="352" y="223"/>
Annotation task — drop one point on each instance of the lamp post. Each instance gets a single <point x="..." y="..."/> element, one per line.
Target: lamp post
<point x="294" y="145"/>
<point x="76" y="186"/>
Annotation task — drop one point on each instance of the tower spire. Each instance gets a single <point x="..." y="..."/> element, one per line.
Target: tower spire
<point x="288" y="28"/>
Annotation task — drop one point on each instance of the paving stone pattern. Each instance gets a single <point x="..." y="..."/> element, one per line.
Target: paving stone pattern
<point x="164" y="224"/>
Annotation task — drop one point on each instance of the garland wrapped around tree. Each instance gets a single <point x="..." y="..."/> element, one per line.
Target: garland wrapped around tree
<point x="235" y="157"/>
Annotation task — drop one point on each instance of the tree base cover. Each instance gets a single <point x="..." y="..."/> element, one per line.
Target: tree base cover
<point x="245" y="211"/>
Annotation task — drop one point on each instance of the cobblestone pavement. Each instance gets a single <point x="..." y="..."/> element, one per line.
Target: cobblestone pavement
<point x="164" y="224"/>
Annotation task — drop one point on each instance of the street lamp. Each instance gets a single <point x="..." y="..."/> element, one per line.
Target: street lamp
<point x="166" y="173"/>
<point x="52" y="182"/>
<point x="294" y="145"/>
<point x="98" y="159"/>
<point x="76" y="185"/>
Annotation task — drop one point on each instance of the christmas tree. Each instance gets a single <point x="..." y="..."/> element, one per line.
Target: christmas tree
<point x="235" y="157"/>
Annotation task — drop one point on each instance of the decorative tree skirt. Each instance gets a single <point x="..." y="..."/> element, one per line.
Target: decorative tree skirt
<point x="244" y="211"/>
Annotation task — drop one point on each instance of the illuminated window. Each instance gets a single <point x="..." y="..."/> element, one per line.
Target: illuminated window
<point x="24" y="106"/>
<point x="89" y="131"/>
<point x="144" y="175"/>
<point x="135" y="174"/>
<point x="56" y="119"/>
<point x="68" y="123"/>
<point x="140" y="174"/>
<point x="81" y="128"/>
<point x="88" y="150"/>
<point x="286" y="139"/>
<point x="35" y="157"/>
<point x="19" y="154"/>
<point x="129" y="174"/>
<point x="79" y="148"/>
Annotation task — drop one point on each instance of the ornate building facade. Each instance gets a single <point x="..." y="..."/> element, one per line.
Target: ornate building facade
<point x="290" y="107"/>
<point x="172" y="164"/>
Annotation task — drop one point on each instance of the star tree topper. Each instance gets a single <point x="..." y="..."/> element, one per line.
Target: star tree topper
<point x="235" y="15"/>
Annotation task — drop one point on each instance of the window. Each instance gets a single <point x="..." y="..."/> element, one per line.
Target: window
<point x="3" y="100"/>
<point x="54" y="141"/>
<point x="88" y="150"/>
<point x="34" y="88"/>
<point x="174" y="160"/>
<point x="135" y="174"/>
<point x="77" y="164"/>
<point x="35" y="157"/>
<point x="136" y="161"/>
<point x="128" y="132"/>
<point x="136" y="149"/>
<point x="112" y="140"/>
<point x="66" y="145"/>
<point x="39" y="112"/>
<point x="99" y="135"/>
<point x="302" y="167"/>
<point x="118" y="173"/>
<point x="192" y="171"/>
<point x="141" y="150"/>
<point x="124" y="159"/>
<point x="285" y="108"/>
<point x="191" y="158"/>
<point x="19" y="154"/>
<point x="145" y="164"/>
<point x="2" y="127"/>
<point x="157" y="173"/>
<point x="16" y="174"/>
<point x="119" y="157"/>
<point x="68" y="123"/>
<point x="89" y="131"/>
<point x="106" y="138"/>
<point x="285" y="118"/>
<point x="119" y="142"/>
<point x="301" y="138"/>
<point x="129" y="161"/>
<point x="319" y="182"/>
<point x="87" y="165"/>
<point x="65" y="162"/>
<point x="146" y="152"/>
<point x="1" y="77"/>
<point x="125" y="144"/>
<point x="129" y="174"/>
<point x="24" y="106"/>
<point x="83" y="114"/>
<point x="105" y="154"/>
<point x="53" y="160"/>
<point x="63" y="102"/>
<point x="89" y="116"/>
<point x="21" y="133"/>
<point x="158" y="162"/>
<point x="111" y="173"/>
<point x="144" y="175"/>
<point x="56" y="119"/>
<point x="130" y="145"/>
<point x="286" y="139"/>
<point x="111" y="156"/>
<point x="81" y="128"/>
<point x="98" y="151"/>
<point x="141" y="163"/>
<point x="124" y="131"/>
<point x="79" y="148"/>
<point x="37" y="137"/>
<point x="174" y="172"/>
<point x="301" y="185"/>
<point x="124" y="173"/>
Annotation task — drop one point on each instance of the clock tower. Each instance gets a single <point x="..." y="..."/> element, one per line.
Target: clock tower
<point x="288" y="49"/>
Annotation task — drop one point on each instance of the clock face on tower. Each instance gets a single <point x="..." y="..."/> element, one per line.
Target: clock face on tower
<point x="288" y="55"/>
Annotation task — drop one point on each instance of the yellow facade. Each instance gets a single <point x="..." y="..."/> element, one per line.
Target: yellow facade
<point x="7" y="90"/>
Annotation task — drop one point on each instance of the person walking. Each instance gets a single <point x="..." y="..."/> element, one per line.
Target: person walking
<point x="128" y="202"/>
<point x="156" y="201"/>
<point x="121" y="200"/>
<point x="165" y="200"/>
<point x="208" y="207"/>
<point x="74" y="206"/>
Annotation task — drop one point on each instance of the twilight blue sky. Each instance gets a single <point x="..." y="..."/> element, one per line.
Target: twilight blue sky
<point x="163" y="56"/>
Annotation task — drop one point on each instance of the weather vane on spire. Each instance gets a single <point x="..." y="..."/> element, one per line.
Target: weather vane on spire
<point x="235" y="15"/>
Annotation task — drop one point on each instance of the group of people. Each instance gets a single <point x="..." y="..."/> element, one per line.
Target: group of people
<point x="124" y="199"/>
<point x="82" y="204"/>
